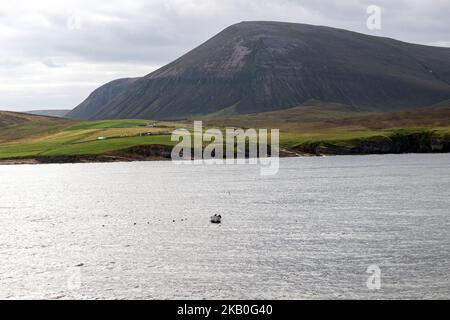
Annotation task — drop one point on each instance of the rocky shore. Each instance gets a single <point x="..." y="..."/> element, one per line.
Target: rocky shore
<point x="417" y="142"/>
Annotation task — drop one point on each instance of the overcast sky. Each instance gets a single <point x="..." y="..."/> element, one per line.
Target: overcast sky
<point x="53" y="53"/>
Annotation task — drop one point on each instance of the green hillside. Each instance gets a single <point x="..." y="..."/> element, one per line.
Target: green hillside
<point x="50" y="137"/>
<point x="331" y="129"/>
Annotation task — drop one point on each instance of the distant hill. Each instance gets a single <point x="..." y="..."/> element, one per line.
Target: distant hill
<point x="15" y="125"/>
<point x="50" y="113"/>
<point x="266" y="66"/>
<point x="100" y="97"/>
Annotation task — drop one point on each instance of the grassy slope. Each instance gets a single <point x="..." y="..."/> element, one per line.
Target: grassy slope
<point x="26" y="136"/>
<point x="338" y="123"/>
<point x="17" y="126"/>
<point x="55" y="137"/>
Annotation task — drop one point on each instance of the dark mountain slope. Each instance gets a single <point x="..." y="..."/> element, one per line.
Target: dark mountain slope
<point x="100" y="97"/>
<point x="266" y="66"/>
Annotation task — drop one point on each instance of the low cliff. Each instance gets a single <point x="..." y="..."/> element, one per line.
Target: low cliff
<point x="396" y="143"/>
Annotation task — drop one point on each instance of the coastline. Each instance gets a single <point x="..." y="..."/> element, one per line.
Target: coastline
<point x="421" y="142"/>
<point x="159" y="154"/>
<point x="134" y="158"/>
<point x="74" y="160"/>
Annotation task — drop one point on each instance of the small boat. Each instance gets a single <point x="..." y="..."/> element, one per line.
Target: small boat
<point x="216" y="219"/>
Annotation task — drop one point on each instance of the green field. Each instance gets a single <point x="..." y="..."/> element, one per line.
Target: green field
<point x="333" y="127"/>
<point x="79" y="138"/>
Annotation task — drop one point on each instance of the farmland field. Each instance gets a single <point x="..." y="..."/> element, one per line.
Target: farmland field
<point x="331" y="129"/>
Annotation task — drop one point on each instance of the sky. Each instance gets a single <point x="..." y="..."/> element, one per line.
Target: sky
<point x="54" y="53"/>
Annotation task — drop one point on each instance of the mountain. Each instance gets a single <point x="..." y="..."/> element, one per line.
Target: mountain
<point x="255" y="67"/>
<point x="50" y="113"/>
<point x="100" y="97"/>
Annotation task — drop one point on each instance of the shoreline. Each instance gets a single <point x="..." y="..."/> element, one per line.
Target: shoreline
<point x="78" y="159"/>
<point x="106" y="159"/>
<point x="126" y="159"/>
<point x="400" y="142"/>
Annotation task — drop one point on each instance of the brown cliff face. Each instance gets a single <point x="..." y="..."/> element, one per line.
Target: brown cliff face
<point x="265" y="66"/>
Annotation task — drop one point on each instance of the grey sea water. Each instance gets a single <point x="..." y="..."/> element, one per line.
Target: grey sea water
<point x="142" y="230"/>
